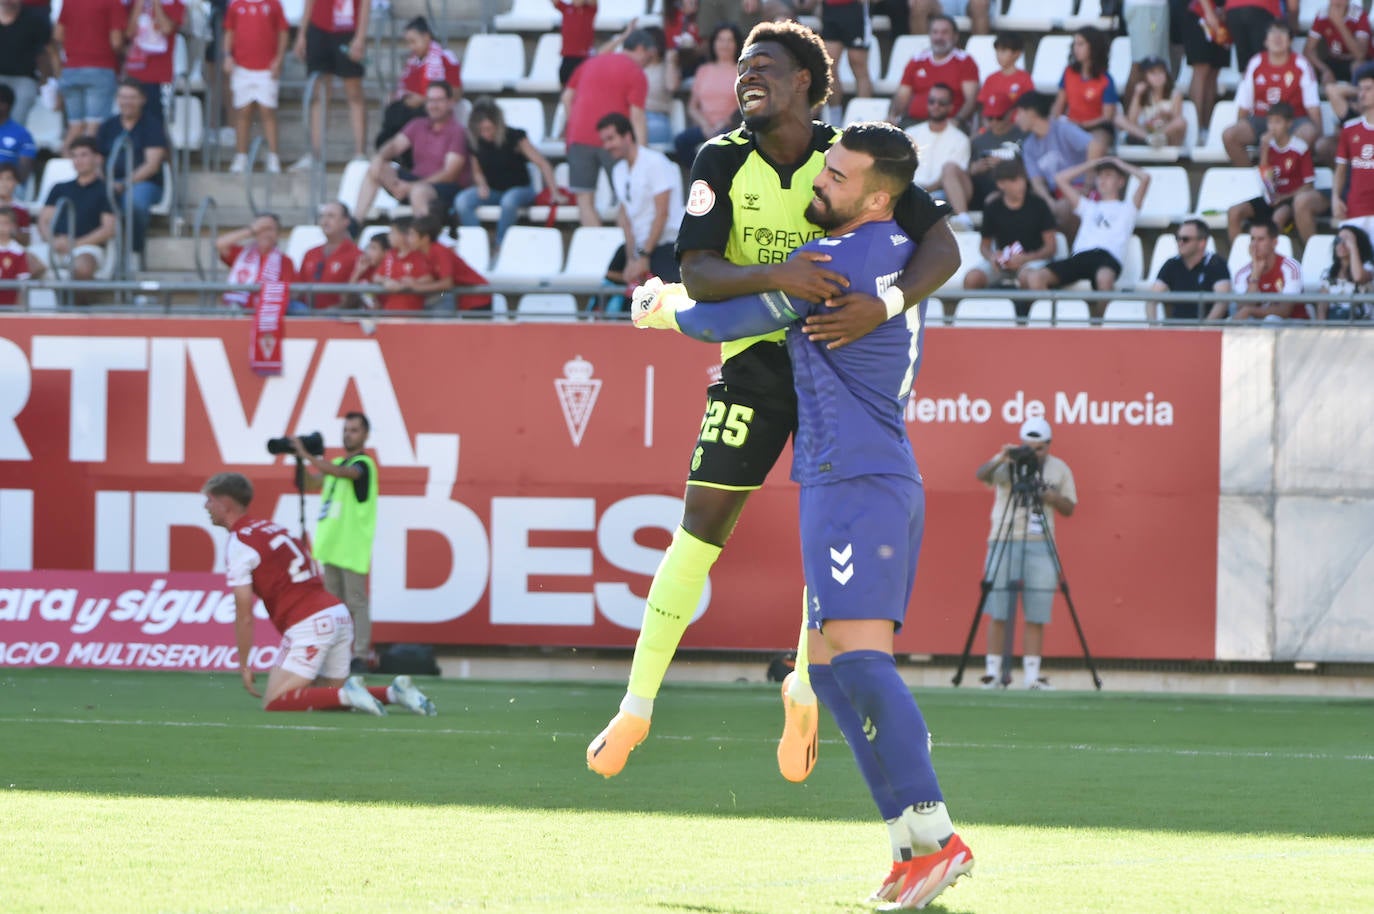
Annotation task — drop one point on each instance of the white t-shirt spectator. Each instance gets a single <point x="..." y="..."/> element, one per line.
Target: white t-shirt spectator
<point x="1106" y="224"/>
<point x="936" y="148"/>
<point x="636" y="186"/>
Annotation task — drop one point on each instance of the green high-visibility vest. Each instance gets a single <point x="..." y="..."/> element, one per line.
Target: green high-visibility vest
<point x="343" y="536"/>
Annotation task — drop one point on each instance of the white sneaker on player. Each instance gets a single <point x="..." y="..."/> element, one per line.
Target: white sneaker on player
<point x="357" y="697"/>
<point x="404" y="693"/>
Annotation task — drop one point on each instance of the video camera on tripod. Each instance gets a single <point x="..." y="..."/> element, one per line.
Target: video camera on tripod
<point x="314" y="445"/>
<point x="1026" y="475"/>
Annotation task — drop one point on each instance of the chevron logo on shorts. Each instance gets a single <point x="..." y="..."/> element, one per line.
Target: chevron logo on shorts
<point x="842" y="569"/>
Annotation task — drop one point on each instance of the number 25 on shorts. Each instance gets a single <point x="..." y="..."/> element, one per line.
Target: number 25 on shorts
<point x="728" y="426"/>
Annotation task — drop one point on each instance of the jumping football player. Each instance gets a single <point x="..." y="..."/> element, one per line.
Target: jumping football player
<point x="862" y="503"/>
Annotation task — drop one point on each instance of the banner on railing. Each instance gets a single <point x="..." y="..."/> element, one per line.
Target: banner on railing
<point x="531" y="474"/>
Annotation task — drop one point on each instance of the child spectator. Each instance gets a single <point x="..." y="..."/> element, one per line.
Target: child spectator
<point x="445" y="268"/>
<point x="1275" y="75"/>
<point x="1099" y="248"/>
<point x="1087" y="94"/>
<point x="17" y="263"/>
<point x="400" y="269"/>
<point x="9" y="183"/>
<point x="1155" y="115"/>
<point x="1000" y="90"/>
<point x="150" y="38"/>
<point x="366" y="268"/>
<point x="1285" y="169"/>
<point x="1351" y="273"/>
<point x="578" y="34"/>
<point x="1338" y="42"/>
<point x="1018" y="233"/>
<point x="255" y="36"/>
<point x="429" y="62"/>
<point x="91" y="34"/>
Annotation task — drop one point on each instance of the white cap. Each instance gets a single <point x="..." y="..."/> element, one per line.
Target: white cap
<point x="1036" y="429"/>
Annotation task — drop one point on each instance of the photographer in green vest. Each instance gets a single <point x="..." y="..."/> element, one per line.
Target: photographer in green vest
<point x="348" y="520"/>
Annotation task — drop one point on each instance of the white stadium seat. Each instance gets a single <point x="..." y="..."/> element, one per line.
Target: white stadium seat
<point x="473" y="246"/>
<point x="614" y="15"/>
<point x="1119" y="65"/>
<point x="492" y="63"/>
<point x="875" y="69"/>
<point x="186" y="128"/>
<point x="1133" y="152"/>
<point x="1059" y="311"/>
<point x="525" y="113"/>
<point x="1125" y="311"/>
<point x="547" y="306"/>
<point x="590" y="251"/>
<point x="1316" y="260"/>
<point x="1167" y="196"/>
<point x="865" y="109"/>
<point x="45" y="125"/>
<point x="1035" y="16"/>
<point x="1223" y="116"/>
<point x="543" y="75"/>
<point x="57" y="171"/>
<point x="980" y="48"/>
<point x="1051" y="57"/>
<point x="1223" y="188"/>
<point x="528" y="16"/>
<point x="301" y="240"/>
<point x="969" y="256"/>
<point x="904" y="47"/>
<point x="985" y="312"/>
<point x="352" y="182"/>
<point x="529" y="252"/>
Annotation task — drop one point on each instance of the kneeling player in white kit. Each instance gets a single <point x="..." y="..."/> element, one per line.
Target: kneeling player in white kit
<point x="264" y="560"/>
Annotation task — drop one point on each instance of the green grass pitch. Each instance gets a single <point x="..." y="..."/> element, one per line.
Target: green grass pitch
<point x="166" y="792"/>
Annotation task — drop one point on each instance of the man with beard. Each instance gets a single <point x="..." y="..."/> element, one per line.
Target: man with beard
<point x="745" y="216"/>
<point x="861" y="494"/>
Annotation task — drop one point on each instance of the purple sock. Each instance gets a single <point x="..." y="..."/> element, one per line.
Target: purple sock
<point x="892" y="724"/>
<point x="852" y="726"/>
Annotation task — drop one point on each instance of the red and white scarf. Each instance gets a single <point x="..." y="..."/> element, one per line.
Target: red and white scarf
<point x="251" y="268"/>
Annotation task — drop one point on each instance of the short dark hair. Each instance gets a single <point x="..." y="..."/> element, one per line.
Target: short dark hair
<point x="402" y="223"/>
<point x="1009" y="40"/>
<point x="440" y="84"/>
<point x="1038" y="102"/>
<point x="892" y="151"/>
<point x="343" y="207"/>
<point x="1110" y="166"/>
<point x="615" y="119"/>
<point x="639" y="38"/>
<point x="430" y="226"/>
<point x="418" y="24"/>
<point x="1281" y="26"/>
<point x="233" y="485"/>
<point x="1282" y="109"/>
<point x="1202" y="227"/>
<point x="361" y="417"/>
<point x="129" y="82"/>
<point x="8" y="166"/>
<point x="1009" y="170"/>
<point x="1366" y="71"/>
<point x="381" y="240"/>
<point x="6" y="95"/>
<point x="85" y="142"/>
<point x="276" y="220"/>
<point x="939" y="16"/>
<point x="806" y="49"/>
<point x="1266" y="224"/>
<point x="946" y="87"/>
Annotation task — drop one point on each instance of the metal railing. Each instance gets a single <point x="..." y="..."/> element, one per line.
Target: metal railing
<point x="250" y="178"/>
<point x="214" y="101"/>
<point x="124" y="229"/>
<point x="207" y="208"/>
<point x="66" y="208"/>
<point x="319" y="177"/>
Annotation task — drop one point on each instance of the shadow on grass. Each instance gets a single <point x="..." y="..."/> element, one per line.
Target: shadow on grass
<point x="1062" y="760"/>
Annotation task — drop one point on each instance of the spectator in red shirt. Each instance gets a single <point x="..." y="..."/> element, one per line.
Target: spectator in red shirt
<point x="1338" y="42"/>
<point x="91" y="35"/>
<point x="263" y="261"/>
<point x="255" y="36"/>
<point x="1267" y="272"/>
<point x="401" y="268"/>
<point x="1087" y="93"/>
<point x="942" y="62"/>
<point x="332" y="261"/>
<point x="15" y="262"/>
<point x="578" y="34"/>
<point x="446" y="269"/>
<point x="439" y="148"/>
<point x="1286" y="169"/>
<point x="1354" y="204"/>
<point x="150" y="37"/>
<point x="366" y="270"/>
<point x="604" y="84"/>
<point x="334" y="42"/>
<point x="9" y="183"/>
<point x="429" y="62"/>
<point x="1277" y="75"/>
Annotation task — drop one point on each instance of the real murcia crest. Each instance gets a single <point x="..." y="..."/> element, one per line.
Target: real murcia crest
<point x="577" y="392"/>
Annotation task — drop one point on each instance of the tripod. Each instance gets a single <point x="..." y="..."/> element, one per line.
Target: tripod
<point x="300" y="493"/>
<point x="1027" y="501"/>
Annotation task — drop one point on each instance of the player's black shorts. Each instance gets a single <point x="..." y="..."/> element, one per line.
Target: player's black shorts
<point x="327" y="52"/>
<point x="846" y="23"/>
<point x="749" y="416"/>
<point x="1083" y="265"/>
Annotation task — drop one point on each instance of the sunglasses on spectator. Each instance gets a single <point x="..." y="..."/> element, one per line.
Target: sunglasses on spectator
<point x="1183" y="238"/>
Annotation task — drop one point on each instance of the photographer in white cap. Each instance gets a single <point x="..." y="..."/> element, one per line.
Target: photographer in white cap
<point x="1026" y="553"/>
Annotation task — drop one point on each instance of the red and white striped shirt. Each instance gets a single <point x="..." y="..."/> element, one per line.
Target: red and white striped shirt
<point x="1284" y="277"/>
<point x="438" y="65"/>
<point x="1267" y="83"/>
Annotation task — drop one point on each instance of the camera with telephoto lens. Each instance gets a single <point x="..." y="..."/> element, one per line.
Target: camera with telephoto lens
<point x="313" y="443"/>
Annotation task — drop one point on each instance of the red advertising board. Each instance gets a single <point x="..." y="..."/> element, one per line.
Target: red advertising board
<point x="531" y="473"/>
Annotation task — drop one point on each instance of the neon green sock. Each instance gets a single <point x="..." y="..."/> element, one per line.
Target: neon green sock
<point x="673" y="598"/>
